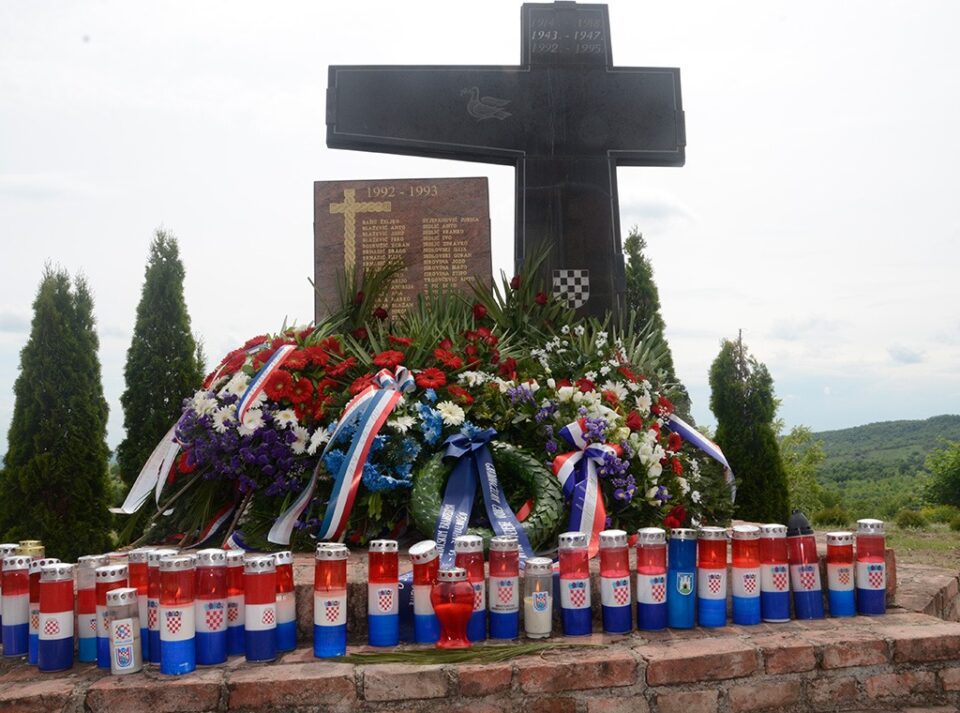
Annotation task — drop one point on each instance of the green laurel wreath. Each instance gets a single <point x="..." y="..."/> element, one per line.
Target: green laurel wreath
<point x="513" y="465"/>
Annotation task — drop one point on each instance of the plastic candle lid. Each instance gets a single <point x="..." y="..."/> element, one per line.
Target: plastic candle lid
<point x="613" y="538"/>
<point x="283" y="557"/>
<point x="154" y="557"/>
<point x="383" y="546"/>
<point x="139" y="555"/>
<point x="468" y="543"/>
<point x="651" y="536"/>
<point x="58" y="572"/>
<point x="111" y="573"/>
<point x="870" y="526"/>
<point x="332" y="552"/>
<point x="211" y="558"/>
<point x="37" y="565"/>
<point x="259" y="564"/>
<point x="773" y="530"/>
<point x="712" y="533"/>
<point x="124" y="595"/>
<point x="504" y="543"/>
<point x="423" y="552"/>
<point x="746" y="532"/>
<point x="683" y="533"/>
<point x="177" y="563"/>
<point x="840" y="539"/>
<point x="572" y="540"/>
<point x="454" y="574"/>
<point x="13" y="563"/>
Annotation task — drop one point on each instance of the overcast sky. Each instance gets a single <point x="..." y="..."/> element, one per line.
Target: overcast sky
<point x="817" y="210"/>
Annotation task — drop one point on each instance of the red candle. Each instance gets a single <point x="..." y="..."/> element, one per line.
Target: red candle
<point x="452" y="599"/>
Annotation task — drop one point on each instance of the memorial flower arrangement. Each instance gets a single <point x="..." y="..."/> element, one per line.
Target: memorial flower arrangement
<point x="267" y="440"/>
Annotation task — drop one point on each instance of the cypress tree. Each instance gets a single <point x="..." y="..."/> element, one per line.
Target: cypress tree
<point x="54" y="484"/>
<point x="163" y="362"/>
<point x="743" y="401"/>
<point x="643" y="299"/>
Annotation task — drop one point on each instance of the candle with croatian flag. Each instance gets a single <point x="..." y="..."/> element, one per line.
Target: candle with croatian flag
<point x="804" y="568"/>
<point x="87" y="606"/>
<point x="615" y="594"/>
<point x="330" y="600"/>
<point x="746" y="575"/>
<point x="469" y="549"/>
<point x="15" y="603"/>
<point x="286" y="602"/>
<point x="33" y="632"/>
<point x="712" y="576"/>
<point x="6" y="550"/>
<point x="383" y="585"/>
<point x="138" y="572"/>
<point x="682" y="578"/>
<point x="426" y="564"/>
<point x="871" y="568"/>
<point x="235" y="609"/>
<point x="178" y="648"/>
<point x="108" y="577"/>
<point x="840" y="574"/>
<point x="774" y="574"/>
<point x="211" y="607"/>
<point x="124" y="616"/>
<point x="651" y="579"/>
<point x="260" y="607"/>
<point x="575" y="613"/>
<point x="55" y="647"/>
<point x="504" y="587"/>
<point x="153" y="601"/>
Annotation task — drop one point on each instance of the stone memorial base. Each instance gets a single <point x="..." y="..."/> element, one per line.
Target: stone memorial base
<point x="904" y="661"/>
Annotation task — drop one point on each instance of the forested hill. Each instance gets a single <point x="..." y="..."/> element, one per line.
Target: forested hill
<point x="880" y="466"/>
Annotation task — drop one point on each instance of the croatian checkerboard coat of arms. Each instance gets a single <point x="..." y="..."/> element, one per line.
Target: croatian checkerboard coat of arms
<point x="572" y="287"/>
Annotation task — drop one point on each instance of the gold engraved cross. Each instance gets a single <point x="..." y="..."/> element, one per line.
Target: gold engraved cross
<point x="350" y="208"/>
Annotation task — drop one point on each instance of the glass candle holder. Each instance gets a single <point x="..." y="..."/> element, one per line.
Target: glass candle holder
<point x="615" y="593"/>
<point x="774" y="574"/>
<point x="330" y="600"/>
<point x="871" y="568"/>
<point x="651" y="579"/>
<point x="452" y="598"/>
<point x="746" y="575"/>
<point x="426" y="565"/>
<point x="504" y="604"/>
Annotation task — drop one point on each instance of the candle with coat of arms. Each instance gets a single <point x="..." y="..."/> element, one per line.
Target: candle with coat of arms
<point x="538" y="597"/>
<point x="260" y="607"/>
<point x="615" y="594"/>
<point x="383" y="584"/>
<point x="681" y="578"/>
<point x="774" y="574"/>
<point x="330" y="600"/>
<point x="651" y="579"/>
<point x="504" y="587"/>
<point x="840" y="574"/>
<point x="211" y="606"/>
<point x="746" y="574"/>
<point x="804" y="568"/>
<point x="453" y="600"/>
<point x="576" y="616"/>
<point x="178" y="574"/>
<point x="871" y="568"/>
<point x="712" y="576"/>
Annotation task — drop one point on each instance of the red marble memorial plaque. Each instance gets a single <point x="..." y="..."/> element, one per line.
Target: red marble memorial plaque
<point x="439" y="227"/>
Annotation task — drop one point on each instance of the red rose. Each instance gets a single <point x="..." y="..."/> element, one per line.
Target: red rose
<point x="359" y="333"/>
<point x="541" y="298"/>
<point x="460" y="395"/>
<point x="471" y="351"/>
<point x="675" y="518"/>
<point x="471" y="335"/>
<point x="279" y="386"/>
<point x="508" y="369"/>
<point x="515" y="282"/>
<point x="380" y="313"/>
<point x="634" y="421"/>
<point x="400" y="341"/>
<point x="302" y="391"/>
<point x="479" y="311"/>
<point x="358" y="300"/>
<point x="674" y="442"/>
<point x="431" y="378"/>
<point x="585" y="385"/>
<point x="494" y="356"/>
<point x="388" y="359"/>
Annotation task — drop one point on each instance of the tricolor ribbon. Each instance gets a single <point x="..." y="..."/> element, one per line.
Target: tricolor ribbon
<point x="577" y="471"/>
<point x="474" y="466"/>
<point x="153" y="475"/>
<point x="256" y="386"/>
<point x="215" y="523"/>
<point x="370" y="410"/>
<point x="691" y="435"/>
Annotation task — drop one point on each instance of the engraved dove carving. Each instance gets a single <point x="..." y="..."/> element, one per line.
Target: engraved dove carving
<point x="481" y="108"/>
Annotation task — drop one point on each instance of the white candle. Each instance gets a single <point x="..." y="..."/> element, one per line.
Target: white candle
<point x="538" y="616"/>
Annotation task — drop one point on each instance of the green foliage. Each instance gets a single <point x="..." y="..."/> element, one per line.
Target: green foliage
<point x="942" y="514"/>
<point x="743" y="401"/>
<point x="955" y="524"/>
<point x="944" y="465"/>
<point x="833" y="516"/>
<point x="162" y="362"/>
<point x="643" y="303"/>
<point x="54" y="486"/>
<point x="802" y="456"/>
<point x="910" y="520"/>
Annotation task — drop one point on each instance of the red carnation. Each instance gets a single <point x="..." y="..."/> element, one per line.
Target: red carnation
<point x="494" y="356"/>
<point x="634" y="421"/>
<point x="448" y="359"/>
<point x="446" y="344"/>
<point x="674" y="442"/>
<point x="302" y="391"/>
<point x="585" y="385"/>
<point x="359" y="333"/>
<point x="625" y="371"/>
<point x="508" y="369"/>
<point x="400" y="341"/>
<point x="343" y="367"/>
<point x="388" y="359"/>
<point x="515" y="282"/>
<point x="460" y="394"/>
<point x="360" y="383"/>
<point x="380" y="313"/>
<point x="479" y="311"/>
<point x="431" y="378"/>
<point x="208" y="380"/>
<point x="541" y="298"/>
<point x="279" y="386"/>
<point x="677" y="466"/>
<point x="675" y="517"/>
<point x="663" y="407"/>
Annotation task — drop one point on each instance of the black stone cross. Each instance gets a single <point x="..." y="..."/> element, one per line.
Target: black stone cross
<point x="566" y="118"/>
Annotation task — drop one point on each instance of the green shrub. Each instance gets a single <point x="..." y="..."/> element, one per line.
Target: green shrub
<point x="911" y="520"/>
<point x="835" y="515"/>
<point x="940" y="513"/>
<point x="955" y="524"/>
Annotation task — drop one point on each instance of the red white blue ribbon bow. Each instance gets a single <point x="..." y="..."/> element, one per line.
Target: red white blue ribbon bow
<point x="577" y="471"/>
<point x="370" y="410"/>
<point x="693" y="436"/>
<point x="260" y="380"/>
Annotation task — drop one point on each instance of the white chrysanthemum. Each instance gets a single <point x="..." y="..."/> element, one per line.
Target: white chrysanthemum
<point x="617" y="388"/>
<point x="252" y="420"/>
<point x="237" y="385"/>
<point x="259" y="400"/>
<point x="473" y="378"/>
<point x="303" y="436"/>
<point x="204" y="403"/>
<point x="217" y="383"/>
<point x="319" y="437"/>
<point x="401" y="424"/>
<point x="285" y="418"/>
<point x="451" y="414"/>
<point x="643" y="403"/>
<point x="222" y="418"/>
